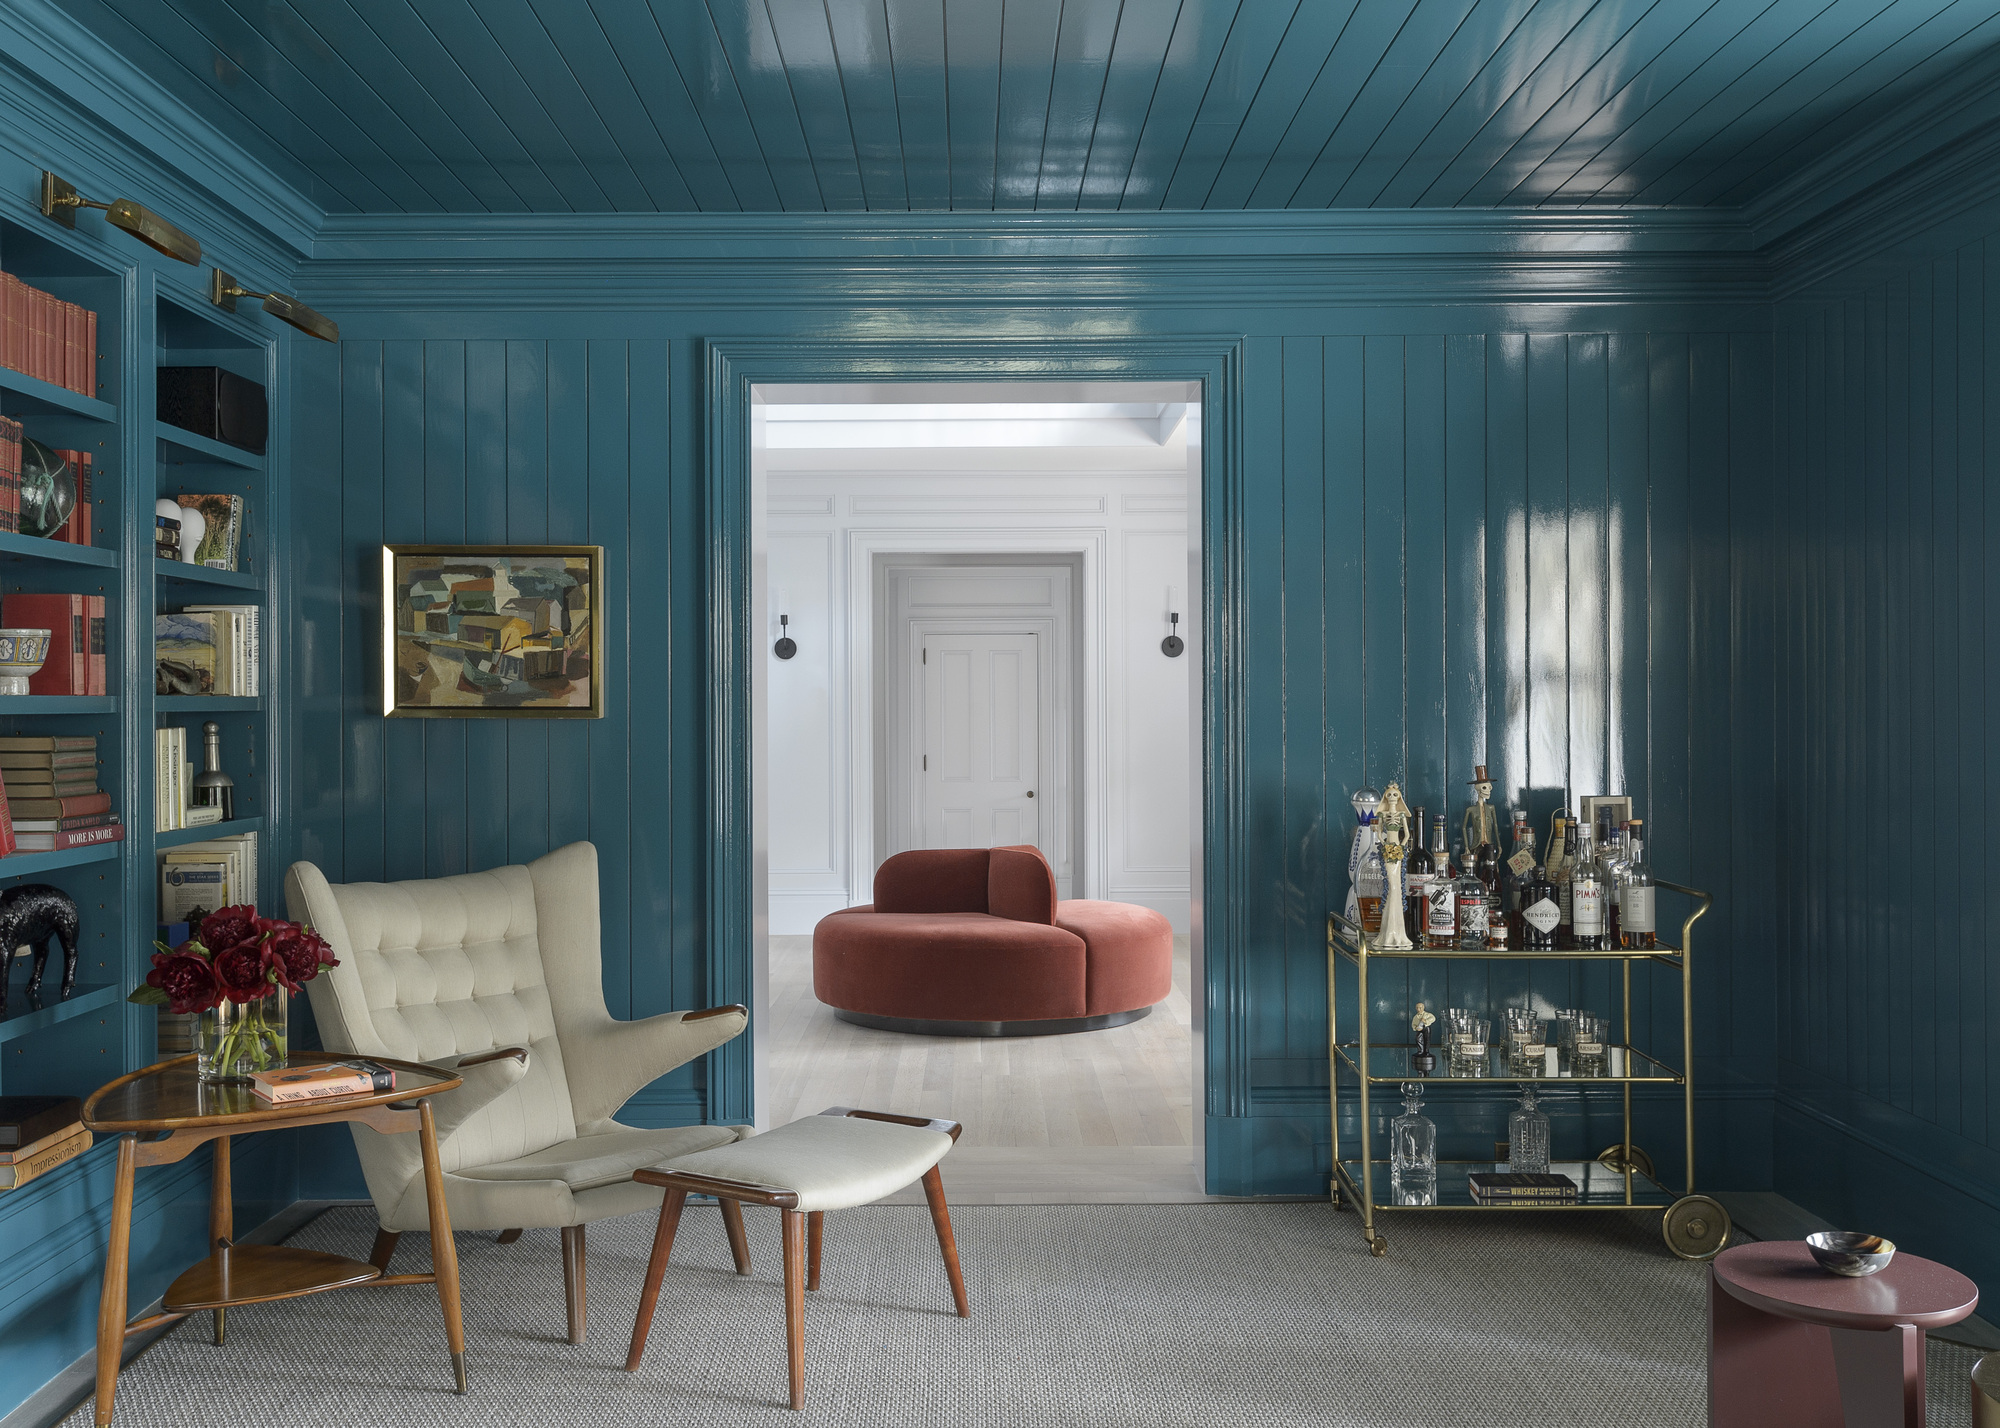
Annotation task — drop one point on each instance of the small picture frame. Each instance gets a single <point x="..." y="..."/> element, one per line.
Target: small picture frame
<point x="492" y="631"/>
<point x="1598" y="806"/>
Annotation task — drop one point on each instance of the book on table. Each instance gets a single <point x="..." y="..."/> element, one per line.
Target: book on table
<point x="356" y="1076"/>
<point x="1522" y="1188"/>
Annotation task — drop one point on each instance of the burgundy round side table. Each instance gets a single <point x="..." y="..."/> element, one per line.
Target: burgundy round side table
<point x="1789" y="1343"/>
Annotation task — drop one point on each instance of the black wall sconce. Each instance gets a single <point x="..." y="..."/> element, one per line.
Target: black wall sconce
<point x="1173" y="644"/>
<point x="786" y="646"/>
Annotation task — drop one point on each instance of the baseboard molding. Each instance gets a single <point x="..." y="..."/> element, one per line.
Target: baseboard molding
<point x="59" y="1397"/>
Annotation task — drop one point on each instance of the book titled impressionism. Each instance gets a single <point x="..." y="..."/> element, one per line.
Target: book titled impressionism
<point x="354" y="1077"/>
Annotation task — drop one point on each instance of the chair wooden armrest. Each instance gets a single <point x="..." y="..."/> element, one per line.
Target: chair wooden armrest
<point x="950" y="1128"/>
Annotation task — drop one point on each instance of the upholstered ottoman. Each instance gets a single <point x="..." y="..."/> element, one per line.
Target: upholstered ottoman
<point x="973" y="942"/>
<point x="831" y="1161"/>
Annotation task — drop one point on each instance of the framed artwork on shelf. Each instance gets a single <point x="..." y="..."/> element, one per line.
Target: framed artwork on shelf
<point x="492" y="631"/>
<point x="1599" y="806"/>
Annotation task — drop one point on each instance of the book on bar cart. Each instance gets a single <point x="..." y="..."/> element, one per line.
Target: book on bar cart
<point x="355" y="1077"/>
<point x="1522" y="1188"/>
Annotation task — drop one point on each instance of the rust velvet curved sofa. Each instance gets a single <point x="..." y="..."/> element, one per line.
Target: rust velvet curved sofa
<point x="973" y="942"/>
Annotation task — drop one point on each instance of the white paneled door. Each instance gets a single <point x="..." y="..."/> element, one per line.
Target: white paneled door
<point x="980" y="765"/>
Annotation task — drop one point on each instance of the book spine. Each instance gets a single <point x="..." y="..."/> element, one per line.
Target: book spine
<point x="79" y="645"/>
<point x="20" y="1172"/>
<point x="100" y="640"/>
<point x="85" y="837"/>
<point x="90" y="352"/>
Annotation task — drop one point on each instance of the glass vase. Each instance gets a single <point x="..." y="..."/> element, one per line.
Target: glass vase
<point x="236" y="1039"/>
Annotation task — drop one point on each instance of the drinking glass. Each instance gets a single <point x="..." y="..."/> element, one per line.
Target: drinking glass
<point x="1468" y="1048"/>
<point x="1527" y="1047"/>
<point x="1587" y="1056"/>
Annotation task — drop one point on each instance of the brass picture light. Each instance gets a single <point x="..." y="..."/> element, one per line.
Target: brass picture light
<point x="223" y="292"/>
<point x="61" y="201"/>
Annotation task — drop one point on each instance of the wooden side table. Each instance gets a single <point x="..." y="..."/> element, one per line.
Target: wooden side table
<point x="1790" y="1343"/>
<point x="163" y="1113"/>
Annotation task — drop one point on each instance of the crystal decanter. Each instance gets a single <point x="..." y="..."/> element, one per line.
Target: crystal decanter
<point x="1413" y="1164"/>
<point x="1528" y="1137"/>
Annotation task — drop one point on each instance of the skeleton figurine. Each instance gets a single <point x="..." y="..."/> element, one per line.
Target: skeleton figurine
<point x="1392" y="821"/>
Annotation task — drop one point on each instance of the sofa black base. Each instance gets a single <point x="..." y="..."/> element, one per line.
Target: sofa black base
<point x="1053" y="1026"/>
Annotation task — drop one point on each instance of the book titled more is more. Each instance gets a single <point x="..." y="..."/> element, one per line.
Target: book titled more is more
<point x="354" y="1077"/>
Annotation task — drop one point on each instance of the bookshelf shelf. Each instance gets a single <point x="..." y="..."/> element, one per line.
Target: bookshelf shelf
<point x="168" y="705"/>
<point x="41" y="548"/>
<point x="22" y="395"/>
<point x="171" y="573"/>
<point x="178" y="446"/>
<point x="20" y="865"/>
<point x="198" y="835"/>
<point x="19" y="705"/>
<point x="23" y="1019"/>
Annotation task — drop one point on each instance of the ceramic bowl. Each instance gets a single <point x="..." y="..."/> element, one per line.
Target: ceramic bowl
<point x="21" y="654"/>
<point x="1849" y="1253"/>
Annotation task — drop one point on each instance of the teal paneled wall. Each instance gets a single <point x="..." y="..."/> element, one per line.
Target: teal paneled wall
<point x="1888" y="1111"/>
<point x="1521" y="547"/>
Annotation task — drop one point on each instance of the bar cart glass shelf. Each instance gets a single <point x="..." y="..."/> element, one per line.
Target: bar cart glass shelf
<point x="1622" y="1177"/>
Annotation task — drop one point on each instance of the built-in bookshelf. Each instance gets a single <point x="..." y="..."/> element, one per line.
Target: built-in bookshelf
<point x="150" y="314"/>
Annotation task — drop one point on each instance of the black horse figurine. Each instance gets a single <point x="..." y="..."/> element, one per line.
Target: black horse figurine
<point x="29" y="916"/>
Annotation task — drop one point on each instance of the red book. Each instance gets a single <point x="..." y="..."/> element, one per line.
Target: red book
<point x="7" y="844"/>
<point x="100" y="639"/>
<point x="47" y="366"/>
<point x="10" y="321"/>
<point x="10" y="474"/>
<point x="72" y="346"/>
<point x="90" y="352"/>
<point x="67" y="669"/>
<point x="86" y="466"/>
<point x="99" y="802"/>
<point x="84" y="837"/>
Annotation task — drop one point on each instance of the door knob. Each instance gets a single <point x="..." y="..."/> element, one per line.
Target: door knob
<point x="1031" y="793"/>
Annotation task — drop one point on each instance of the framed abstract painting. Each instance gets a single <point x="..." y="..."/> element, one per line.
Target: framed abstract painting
<point x="492" y="631"/>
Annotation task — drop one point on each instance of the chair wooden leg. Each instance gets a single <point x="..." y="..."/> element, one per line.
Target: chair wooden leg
<point x="795" y="1303"/>
<point x="572" y="1252"/>
<point x="385" y="1246"/>
<point x="507" y="1237"/>
<point x="941" y="1217"/>
<point x="815" y="1225"/>
<point x="111" y="1306"/>
<point x="739" y="1243"/>
<point x="656" y="1270"/>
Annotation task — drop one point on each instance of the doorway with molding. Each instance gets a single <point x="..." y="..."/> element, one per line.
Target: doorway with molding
<point x="978" y="582"/>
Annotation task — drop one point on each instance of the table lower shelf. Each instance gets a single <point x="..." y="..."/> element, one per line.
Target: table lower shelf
<point x="1598" y="1187"/>
<point x="256" y="1274"/>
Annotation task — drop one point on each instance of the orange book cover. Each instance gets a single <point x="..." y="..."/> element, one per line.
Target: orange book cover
<point x="317" y="1083"/>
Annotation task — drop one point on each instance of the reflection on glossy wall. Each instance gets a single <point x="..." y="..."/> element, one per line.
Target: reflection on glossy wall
<point x="1888" y="772"/>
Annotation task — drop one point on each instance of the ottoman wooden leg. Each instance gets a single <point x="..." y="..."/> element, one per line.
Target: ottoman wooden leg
<point x="732" y="1223"/>
<point x="947" y="1242"/>
<point x="795" y="1303"/>
<point x="656" y="1270"/>
<point x="815" y="1227"/>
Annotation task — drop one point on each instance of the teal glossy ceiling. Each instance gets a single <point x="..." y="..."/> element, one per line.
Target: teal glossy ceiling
<point x="555" y="106"/>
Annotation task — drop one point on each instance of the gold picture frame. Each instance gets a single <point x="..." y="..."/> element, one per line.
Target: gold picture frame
<point x="492" y="631"/>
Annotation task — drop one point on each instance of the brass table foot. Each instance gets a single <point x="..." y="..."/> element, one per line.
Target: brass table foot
<point x="458" y="1370"/>
<point x="221" y="1327"/>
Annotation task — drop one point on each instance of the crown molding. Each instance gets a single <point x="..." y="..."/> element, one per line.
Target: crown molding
<point x="70" y="96"/>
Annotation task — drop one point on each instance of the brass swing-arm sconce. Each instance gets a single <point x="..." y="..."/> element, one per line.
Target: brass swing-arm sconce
<point x="223" y="292"/>
<point x="61" y="201"/>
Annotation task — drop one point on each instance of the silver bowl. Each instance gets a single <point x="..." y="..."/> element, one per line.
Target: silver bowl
<point x="22" y="653"/>
<point x="1850" y="1253"/>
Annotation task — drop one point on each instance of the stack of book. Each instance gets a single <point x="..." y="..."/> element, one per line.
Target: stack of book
<point x="53" y="800"/>
<point x="198" y="878"/>
<point x="45" y="337"/>
<point x="207" y="649"/>
<point x="1522" y="1188"/>
<point x="38" y="1133"/>
<point x="357" y="1077"/>
<point x="78" y="639"/>
<point x="10" y="475"/>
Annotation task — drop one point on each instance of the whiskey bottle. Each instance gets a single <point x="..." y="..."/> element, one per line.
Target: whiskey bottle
<point x="1417" y="870"/>
<point x="1514" y="874"/>
<point x="1441" y="916"/>
<point x="1471" y="899"/>
<point x="1586" y="898"/>
<point x="1636" y="926"/>
<point x="1371" y="881"/>
<point x="1540" y="912"/>
<point x="1563" y="865"/>
<point x="1611" y="867"/>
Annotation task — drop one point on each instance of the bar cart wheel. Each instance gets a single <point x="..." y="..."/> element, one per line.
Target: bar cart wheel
<point x="1695" y="1227"/>
<point x="1379" y="1246"/>
<point x="1612" y="1158"/>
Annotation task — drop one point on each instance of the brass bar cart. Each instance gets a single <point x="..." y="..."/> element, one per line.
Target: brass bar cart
<point x="1622" y="1177"/>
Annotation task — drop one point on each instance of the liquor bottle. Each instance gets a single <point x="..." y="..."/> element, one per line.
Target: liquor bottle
<point x="1636" y="926"/>
<point x="1417" y="870"/>
<point x="1470" y="897"/>
<point x="1514" y="874"/>
<point x="1372" y="880"/>
<point x="1528" y="1137"/>
<point x="1586" y="898"/>
<point x="1540" y="912"/>
<point x="1364" y="803"/>
<point x="1413" y="1136"/>
<point x="1441" y="917"/>
<point x="1565" y="934"/>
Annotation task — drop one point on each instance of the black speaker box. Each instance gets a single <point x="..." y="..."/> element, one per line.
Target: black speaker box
<point x="215" y="403"/>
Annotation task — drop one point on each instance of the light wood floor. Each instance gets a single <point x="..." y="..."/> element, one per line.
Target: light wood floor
<point x="1094" y="1116"/>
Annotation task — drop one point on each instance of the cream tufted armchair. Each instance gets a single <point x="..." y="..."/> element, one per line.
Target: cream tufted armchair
<point x="498" y="974"/>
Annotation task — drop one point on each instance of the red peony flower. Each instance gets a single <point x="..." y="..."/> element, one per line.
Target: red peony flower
<point x="301" y="951"/>
<point x="186" y="978"/>
<point x="241" y="973"/>
<point x="227" y="927"/>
